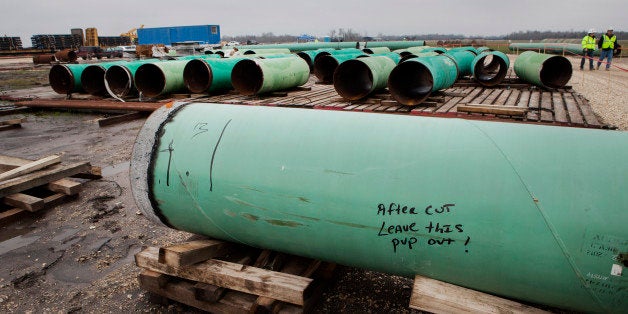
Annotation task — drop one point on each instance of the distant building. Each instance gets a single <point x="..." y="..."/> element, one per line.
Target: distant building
<point x="113" y="41"/>
<point x="56" y="42"/>
<point x="10" y="43"/>
<point x="205" y="34"/>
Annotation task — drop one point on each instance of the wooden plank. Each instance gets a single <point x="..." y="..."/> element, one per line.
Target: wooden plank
<point x="13" y="121"/>
<point x="12" y="215"/>
<point x="490" y="99"/>
<point x="545" y="103"/>
<point x="533" y="106"/>
<point x="65" y="186"/>
<point x="587" y="111"/>
<point x="439" y="297"/>
<point x="276" y="285"/>
<point x="41" y="177"/>
<point x="121" y="118"/>
<point x="503" y="97"/>
<point x="5" y="112"/>
<point x="24" y="201"/>
<point x="94" y="173"/>
<point x="210" y="293"/>
<point x="13" y="161"/>
<point x="512" y="98"/>
<point x="184" y="292"/>
<point x="573" y="110"/>
<point x="191" y="252"/>
<point x="30" y="167"/>
<point x="493" y="109"/>
<point x="560" y="112"/>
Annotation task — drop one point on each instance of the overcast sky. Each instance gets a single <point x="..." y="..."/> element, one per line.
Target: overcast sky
<point x="25" y="18"/>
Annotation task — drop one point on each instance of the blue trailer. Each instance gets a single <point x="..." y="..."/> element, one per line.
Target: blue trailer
<point x="206" y="34"/>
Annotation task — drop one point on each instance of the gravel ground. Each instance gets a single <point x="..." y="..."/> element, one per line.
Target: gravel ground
<point x="607" y="91"/>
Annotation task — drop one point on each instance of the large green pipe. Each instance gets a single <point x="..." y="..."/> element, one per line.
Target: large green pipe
<point x="258" y="76"/>
<point x="394" y="45"/>
<point x="465" y="48"/>
<point x="207" y="75"/>
<point x="310" y="55"/>
<point x="119" y="78"/>
<point x="66" y="78"/>
<point x="160" y="78"/>
<point x="490" y="67"/>
<point x="407" y="56"/>
<point x="393" y="56"/>
<point x="463" y="59"/>
<point x="376" y="50"/>
<point x="554" y="48"/>
<point x="356" y="79"/>
<point x="203" y="56"/>
<point x="543" y="70"/>
<point x="93" y="77"/>
<point x="266" y="51"/>
<point x="338" y="52"/>
<point x="515" y="210"/>
<point x="418" y="50"/>
<point x="296" y="47"/>
<point x="413" y="80"/>
<point x="325" y="65"/>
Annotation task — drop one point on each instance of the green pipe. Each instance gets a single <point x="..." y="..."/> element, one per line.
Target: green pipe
<point x="266" y="51"/>
<point x="203" y="56"/>
<point x="66" y="78"/>
<point x="93" y="77"/>
<point x="418" y="50"/>
<point x="527" y="212"/>
<point x="119" y="78"/>
<point x="325" y="65"/>
<point x="413" y="80"/>
<point x="303" y="46"/>
<point x="553" y="48"/>
<point x="483" y="49"/>
<point x="376" y="50"/>
<point x="393" y="56"/>
<point x="490" y="67"/>
<point x="209" y="75"/>
<point x="466" y="48"/>
<point x="160" y="78"/>
<point x="463" y="60"/>
<point x="543" y="70"/>
<point x="356" y="79"/>
<point x="338" y="52"/>
<point x="394" y="45"/>
<point x="258" y="76"/>
<point x="407" y="56"/>
<point x="310" y="55"/>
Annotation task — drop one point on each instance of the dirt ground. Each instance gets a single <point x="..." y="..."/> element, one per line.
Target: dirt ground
<point x="78" y="256"/>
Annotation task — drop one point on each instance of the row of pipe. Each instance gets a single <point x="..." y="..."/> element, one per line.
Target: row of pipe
<point x="392" y="45"/>
<point x="66" y="55"/>
<point x="557" y="48"/>
<point x="421" y="71"/>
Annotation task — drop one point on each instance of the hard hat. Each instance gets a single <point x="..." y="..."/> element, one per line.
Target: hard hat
<point x="592" y="31"/>
<point x="610" y="28"/>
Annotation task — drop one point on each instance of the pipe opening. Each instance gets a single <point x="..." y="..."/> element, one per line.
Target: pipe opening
<point x="490" y="70"/>
<point x="221" y="53"/>
<point x="320" y="55"/>
<point x="556" y="72"/>
<point x="353" y="80"/>
<point x="368" y="50"/>
<point x="408" y="57"/>
<point x="410" y="83"/>
<point x="307" y="59"/>
<point x="61" y="79"/>
<point x="247" y="77"/>
<point x="405" y="53"/>
<point x="119" y="80"/>
<point x="209" y="52"/>
<point x="197" y="76"/>
<point x="324" y="68"/>
<point x="150" y="80"/>
<point x="249" y="52"/>
<point x="93" y="80"/>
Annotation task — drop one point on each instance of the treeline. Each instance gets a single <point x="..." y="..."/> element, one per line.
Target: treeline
<point x="349" y="34"/>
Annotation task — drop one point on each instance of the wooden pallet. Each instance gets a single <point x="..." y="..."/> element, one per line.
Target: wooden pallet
<point x="440" y="297"/>
<point x="28" y="186"/>
<point x="218" y="276"/>
<point x="11" y="124"/>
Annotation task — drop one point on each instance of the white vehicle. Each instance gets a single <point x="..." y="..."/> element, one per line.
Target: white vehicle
<point x="233" y="43"/>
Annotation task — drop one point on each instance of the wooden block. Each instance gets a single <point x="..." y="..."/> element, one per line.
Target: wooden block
<point x="192" y="252"/>
<point x="13" y="162"/>
<point x="206" y="292"/>
<point x="10" y="127"/>
<point x="492" y="109"/>
<point x="120" y="118"/>
<point x="13" y="121"/>
<point x="65" y="186"/>
<point x="440" y="297"/>
<point x="284" y="287"/>
<point x="159" y="279"/>
<point x="24" y="201"/>
<point x="11" y="215"/>
<point x="42" y="177"/>
<point x="30" y="167"/>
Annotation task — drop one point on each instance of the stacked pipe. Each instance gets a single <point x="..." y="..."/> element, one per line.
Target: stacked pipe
<point x="257" y="76"/>
<point x="413" y="80"/>
<point x="490" y="67"/>
<point x="357" y="78"/>
<point x="93" y="77"/>
<point x="325" y="65"/>
<point x="544" y="70"/>
<point x="119" y="78"/>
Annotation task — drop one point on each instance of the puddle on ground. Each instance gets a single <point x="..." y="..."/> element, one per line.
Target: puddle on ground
<point x="16" y="243"/>
<point x="115" y="169"/>
<point x="17" y="229"/>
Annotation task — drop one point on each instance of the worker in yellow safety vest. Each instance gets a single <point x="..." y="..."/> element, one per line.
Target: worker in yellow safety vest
<point x="607" y="43"/>
<point x="588" y="47"/>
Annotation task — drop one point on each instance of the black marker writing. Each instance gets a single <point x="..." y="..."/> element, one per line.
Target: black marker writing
<point x="211" y="165"/>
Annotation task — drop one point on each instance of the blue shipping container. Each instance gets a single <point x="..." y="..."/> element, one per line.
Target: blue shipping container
<point x="206" y="34"/>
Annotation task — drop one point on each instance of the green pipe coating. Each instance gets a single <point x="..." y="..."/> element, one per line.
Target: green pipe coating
<point x="376" y="50"/>
<point x="490" y="67"/>
<point x="258" y="76"/>
<point x="356" y="79"/>
<point x="394" y="45"/>
<point x="528" y="212"/>
<point x="413" y="80"/>
<point x="119" y="77"/>
<point x="545" y="70"/>
<point x="209" y="75"/>
<point x="160" y="78"/>
<point x="463" y="59"/>
<point x="66" y="78"/>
